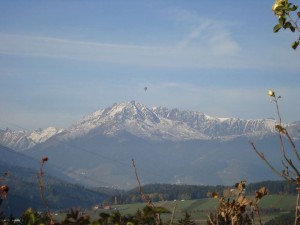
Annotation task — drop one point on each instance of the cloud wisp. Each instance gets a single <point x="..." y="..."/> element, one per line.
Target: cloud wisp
<point x="202" y="56"/>
<point x="206" y="46"/>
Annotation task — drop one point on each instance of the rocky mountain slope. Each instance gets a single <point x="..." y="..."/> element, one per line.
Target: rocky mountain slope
<point x="22" y="140"/>
<point x="169" y="146"/>
<point x="158" y="123"/>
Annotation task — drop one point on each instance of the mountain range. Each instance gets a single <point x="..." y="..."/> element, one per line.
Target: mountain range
<point x="168" y="145"/>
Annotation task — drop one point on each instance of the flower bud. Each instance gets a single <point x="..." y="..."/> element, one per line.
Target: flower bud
<point x="215" y="195"/>
<point x="4" y="189"/>
<point x="44" y="159"/>
<point x="277" y="7"/>
<point x="271" y="93"/>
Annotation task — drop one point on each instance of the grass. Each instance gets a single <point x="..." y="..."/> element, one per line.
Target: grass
<point x="270" y="206"/>
<point x="281" y="202"/>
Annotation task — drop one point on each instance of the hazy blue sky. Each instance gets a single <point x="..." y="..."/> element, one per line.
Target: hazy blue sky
<point x="63" y="59"/>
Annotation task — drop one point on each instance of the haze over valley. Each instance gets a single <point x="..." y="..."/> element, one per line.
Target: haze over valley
<point x="168" y="146"/>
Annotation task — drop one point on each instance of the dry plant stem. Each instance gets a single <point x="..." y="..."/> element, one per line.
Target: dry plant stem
<point x="173" y="214"/>
<point x="3" y="177"/>
<point x="293" y="145"/>
<point x="294" y="149"/>
<point x="295" y="22"/>
<point x="282" y="145"/>
<point x="252" y="218"/>
<point x="42" y="194"/>
<point x="258" y="214"/>
<point x="210" y="220"/>
<point x="286" y="162"/>
<point x="217" y="217"/>
<point x="261" y="155"/>
<point x="297" y="206"/>
<point x="285" y="132"/>
<point x="289" y="161"/>
<point x="277" y="109"/>
<point x="148" y="201"/>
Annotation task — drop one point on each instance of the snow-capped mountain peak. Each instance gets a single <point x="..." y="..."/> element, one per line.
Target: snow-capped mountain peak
<point x="157" y="123"/>
<point x="22" y="140"/>
<point x="135" y="118"/>
<point x="116" y="114"/>
<point x="40" y="135"/>
<point x="132" y="110"/>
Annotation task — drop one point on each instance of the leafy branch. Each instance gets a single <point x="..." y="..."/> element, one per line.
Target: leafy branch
<point x="283" y="10"/>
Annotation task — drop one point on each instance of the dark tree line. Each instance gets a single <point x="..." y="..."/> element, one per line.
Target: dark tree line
<point x="170" y="192"/>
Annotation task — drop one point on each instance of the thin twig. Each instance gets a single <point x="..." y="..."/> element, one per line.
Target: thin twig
<point x="297" y="205"/>
<point x="3" y="177"/>
<point x="293" y="145"/>
<point x="258" y="213"/>
<point x="289" y="161"/>
<point x="210" y="220"/>
<point x="173" y="214"/>
<point x="294" y="21"/>
<point x="284" y="131"/>
<point x="148" y="201"/>
<point x="45" y="159"/>
<point x="261" y="155"/>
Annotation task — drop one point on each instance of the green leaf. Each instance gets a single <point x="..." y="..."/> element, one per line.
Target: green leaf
<point x="282" y="20"/>
<point x="295" y="45"/>
<point x="277" y="28"/>
<point x="292" y="28"/>
<point x="287" y="25"/>
<point x="293" y="8"/>
<point x="298" y="14"/>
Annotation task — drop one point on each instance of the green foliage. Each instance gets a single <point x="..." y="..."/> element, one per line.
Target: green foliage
<point x="274" y="187"/>
<point x="170" y="192"/>
<point x="32" y="217"/>
<point x="76" y="217"/>
<point x="24" y="192"/>
<point x="186" y="220"/>
<point x="295" y="44"/>
<point x="284" y="10"/>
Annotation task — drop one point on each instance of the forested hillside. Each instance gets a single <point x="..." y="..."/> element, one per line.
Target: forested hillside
<point x="24" y="192"/>
<point x="170" y="192"/>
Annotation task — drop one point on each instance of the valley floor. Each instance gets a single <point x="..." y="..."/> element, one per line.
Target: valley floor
<point x="270" y="206"/>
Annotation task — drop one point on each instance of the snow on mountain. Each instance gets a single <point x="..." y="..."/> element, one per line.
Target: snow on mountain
<point x="16" y="140"/>
<point x="218" y="127"/>
<point x="136" y="119"/>
<point x="22" y="140"/>
<point x="158" y="123"/>
<point x="40" y="136"/>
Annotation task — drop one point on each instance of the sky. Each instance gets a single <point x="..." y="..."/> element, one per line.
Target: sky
<point x="61" y="60"/>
